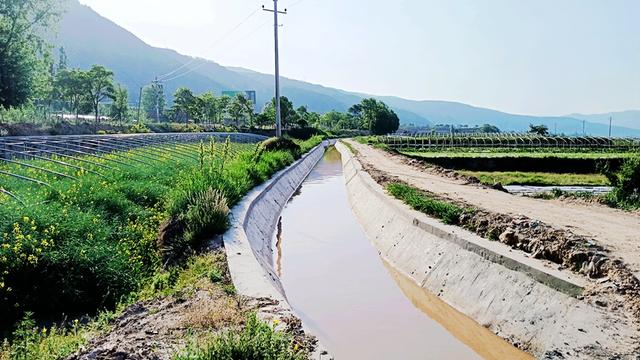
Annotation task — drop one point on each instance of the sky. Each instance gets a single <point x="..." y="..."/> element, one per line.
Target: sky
<point x="538" y="57"/>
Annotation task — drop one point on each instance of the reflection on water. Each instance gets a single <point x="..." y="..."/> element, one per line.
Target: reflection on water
<point x="339" y="286"/>
<point x="479" y="338"/>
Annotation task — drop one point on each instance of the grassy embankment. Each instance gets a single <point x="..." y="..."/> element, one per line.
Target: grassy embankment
<point x="536" y="178"/>
<point x="447" y="212"/>
<point x="84" y="245"/>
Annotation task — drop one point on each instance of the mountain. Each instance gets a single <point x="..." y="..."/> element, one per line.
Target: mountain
<point x="445" y="112"/>
<point x="89" y="38"/>
<point x="630" y="118"/>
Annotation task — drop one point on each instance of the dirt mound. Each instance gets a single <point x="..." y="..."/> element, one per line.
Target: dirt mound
<point x="158" y="328"/>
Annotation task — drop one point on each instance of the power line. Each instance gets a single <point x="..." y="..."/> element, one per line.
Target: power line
<point x="296" y="3"/>
<point x="205" y="62"/>
<point x="211" y="46"/>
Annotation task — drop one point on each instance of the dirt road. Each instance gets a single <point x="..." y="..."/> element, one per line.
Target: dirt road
<point x="616" y="230"/>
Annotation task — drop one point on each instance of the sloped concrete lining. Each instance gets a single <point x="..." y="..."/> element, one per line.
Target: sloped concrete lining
<point x="253" y="223"/>
<point x="530" y="304"/>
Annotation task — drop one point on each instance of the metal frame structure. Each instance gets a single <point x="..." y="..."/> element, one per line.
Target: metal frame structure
<point x="144" y="149"/>
<point x="506" y="140"/>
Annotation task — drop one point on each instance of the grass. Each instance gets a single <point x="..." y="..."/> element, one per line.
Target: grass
<point x="350" y="147"/>
<point x="92" y="242"/>
<point x="308" y="145"/>
<point x="51" y="343"/>
<point x="256" y="341"/>
<point x="537" y="178"/>
<point x="419" y="200"/>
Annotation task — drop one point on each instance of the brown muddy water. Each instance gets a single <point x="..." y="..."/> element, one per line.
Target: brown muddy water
<point x="358" y="306"/>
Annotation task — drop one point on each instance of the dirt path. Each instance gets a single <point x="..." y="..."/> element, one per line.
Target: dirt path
<point x="616" y="230"/>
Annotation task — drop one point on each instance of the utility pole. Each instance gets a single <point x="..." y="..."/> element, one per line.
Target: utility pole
<point x="584" y="133"/>
<point x="157" y="86"/>
<point x="277" y="55"/>
<point x="610" y="123"/>
<point x="139" y="103"/>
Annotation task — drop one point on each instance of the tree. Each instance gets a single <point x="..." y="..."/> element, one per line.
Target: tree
<point x="22" y="46"/>
<point x="305" y="118"/>
<point x="334" y="120"/>
<point x="288" y="114"/>
<point x="375" y="116"/>
<point x="488" y="128"/>
<point x="72" y="87"/>
<point x="237" y="109"/>
<point x="99" y="87"/>
<point x="184" y="104"/>
<point x="541" y="130"/>
<point x="247" y="107"/>
<point x="263" y="120"/>
<point x="153" y="101"/>
<point x="222" y="107"/>
<point x="62" y="59"/>
<point x="120" y="106"/>
<point x="206" y="107"/>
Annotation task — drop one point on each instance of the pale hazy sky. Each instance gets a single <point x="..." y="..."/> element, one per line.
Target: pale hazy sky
<point x="543" y="57"/>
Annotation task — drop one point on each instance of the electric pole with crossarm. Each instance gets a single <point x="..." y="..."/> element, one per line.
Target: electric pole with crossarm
<point x="275" y="27"/>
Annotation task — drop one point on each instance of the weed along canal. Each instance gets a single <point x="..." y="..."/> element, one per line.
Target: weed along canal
<point x="358" y="306"/>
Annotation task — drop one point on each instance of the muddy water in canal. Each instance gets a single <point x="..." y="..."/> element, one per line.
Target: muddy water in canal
<point x="357" y="305"/>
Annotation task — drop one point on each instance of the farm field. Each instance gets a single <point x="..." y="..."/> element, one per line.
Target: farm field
<point x="536" y="178"/>
<point x="81" y="235"/>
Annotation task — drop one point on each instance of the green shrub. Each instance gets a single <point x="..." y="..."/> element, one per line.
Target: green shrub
<point x="309" y="144"/>
<point x="306" y="133"/>
<point x="280" y="144"/>
<point x="139" y="128"/>
<point x="257" y="341"/>
<point x="30" y="342"/>
<point x="418" y="200"/>
<point x="206" y="214"/>
<point x="626" y="184"/>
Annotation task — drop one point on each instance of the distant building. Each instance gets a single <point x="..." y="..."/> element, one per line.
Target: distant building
<point x="249" y="94"/>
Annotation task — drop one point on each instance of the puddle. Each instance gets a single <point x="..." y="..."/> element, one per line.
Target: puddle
<point x="356" y="305"/>
<point x="531" y="190"/>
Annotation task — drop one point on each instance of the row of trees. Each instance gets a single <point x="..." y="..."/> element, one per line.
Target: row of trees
<point x="84" y="91"/>
<point x="29" y="74"/>
<point x="25" y="56"/>
<point x="369" y="115"/>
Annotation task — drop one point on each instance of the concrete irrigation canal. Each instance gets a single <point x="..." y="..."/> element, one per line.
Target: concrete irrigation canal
<point x="373" y="279"/>
<point x="358" y="306"/>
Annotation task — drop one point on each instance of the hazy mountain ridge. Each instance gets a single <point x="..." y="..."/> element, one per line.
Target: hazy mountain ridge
<point x="628" y="118"/>
<point x="92" y="39"/>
